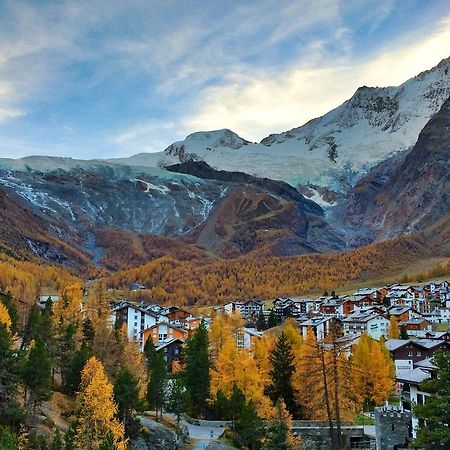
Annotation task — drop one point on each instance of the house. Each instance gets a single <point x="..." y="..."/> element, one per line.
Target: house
<point x="401" y="313"/>
<point x="43" y="299"/>
<point x="251" y="309"/>
<point x="162" y="331"/>
<point x="439" y="335"/>
<point x="373" y="294"/>
<point x="405" y="353"/>
<point x="320" y="326"/>
<point x="339" y="307"/>
<point x="176" y="315"/>
<point x="411" y="394"/>
<point x="172" y="349"/>
<point x="374" y="324"/>
<point x="416" y="325"/>
<point x="246" y="338"/>
<point x="136" y="287"/>
<point x="438" y="290"/>
<point x="135" y="317"/>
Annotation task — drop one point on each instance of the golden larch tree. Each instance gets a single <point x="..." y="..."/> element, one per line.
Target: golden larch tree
<point x="394" y="328"/>
<point x="4" y="316"/>
<point x="97" y="410"/>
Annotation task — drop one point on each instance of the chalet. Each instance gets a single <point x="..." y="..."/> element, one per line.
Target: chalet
<point x="136" y="287"/>
<point x="401" y="313"/>
<point x="411" y="394"/>
<point x="439" y="315"/>
<point x="176" y="315"/>
<point x="162" y="331"/>
<point x="339" y="307"/>
<point x="439" y="335"/>
<point x="135" y="317"/>
<point x="246" y="338"/>
<point x="438" y="290"/>
<point x="43" y="299"/>
<point x="375" y="325"/>
<point x="171" y="349"/>
<point x="416" y="325"/>
<point x="373" y="294"/>
<point x="320" y="326"/>
<point x="406" y="353"/>
<point x="155" y="308"/>
<point x="286" y="307"/>
<point x="364" y="300"/>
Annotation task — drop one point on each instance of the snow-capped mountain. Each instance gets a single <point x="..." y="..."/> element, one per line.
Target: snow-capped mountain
<point x="331" y="151"/>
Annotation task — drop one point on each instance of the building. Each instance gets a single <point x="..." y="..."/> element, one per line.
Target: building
<point x="172" y="350"/>
<point x="43" y="299"/>
<point x="162" y="331"/>
<point x="405" y="353"/>
<point x="246" y="338"/>
<point x="176" y="315"/>
<point x="135" y="317"/>
<point x="249" y="310"/>
<point x="401" y="313"/>
<point x="416" y="325"/>
<point x="319" y="325"/>
<point x="374" y="324"/>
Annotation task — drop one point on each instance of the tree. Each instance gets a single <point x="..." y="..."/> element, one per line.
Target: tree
<point x="149" y="352"/>
<point x="261" y="322"/>
<point x="434" y="420"/>
<point x="33" y="327"/>
<point x="126" y="394"/>
<point x="272" y="321"/>
<point x="282" y="369"/>
<point x="278" y="433"/>
<point x="394" y="329"/>
<point x="403" y="332"/>
<point x="10" y="411"/>
<point x="249" y="427"/>
<point x="196" y="373"/>
<point x="72" y="377"/>
<point x="4" y="317"/>
<point x="238" y="368"/>
<point x="8" y="302"/>
<point x="37" y="376"/>
<point x="178" y="399"/>
<point x="97" y="410"/>
<point x="156" y="390"/>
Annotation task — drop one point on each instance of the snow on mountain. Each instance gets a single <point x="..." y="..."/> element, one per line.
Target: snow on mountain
<point x="333" y="150"/>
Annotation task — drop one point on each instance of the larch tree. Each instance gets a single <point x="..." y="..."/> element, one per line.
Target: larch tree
<point x="4" y="316"/>
<point x="97" y="410"/>
<point x="394" y="328"/>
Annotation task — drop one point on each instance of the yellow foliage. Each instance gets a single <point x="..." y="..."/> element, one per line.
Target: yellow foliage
<point x="4" y="316"/>
<point x="97" y="409"/>
<point x="394" y="328"/>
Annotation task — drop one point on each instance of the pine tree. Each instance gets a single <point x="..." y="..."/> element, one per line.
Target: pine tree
<point x="272" y="321"/>
<point x="149" y="352"/>
<point x="33" y="327"/>
<point x="196" y="373"/>
<point x="126" y="395"/>
<point x="156" y="390"/>
<point x="37" y="376"/>
<point x="249" y="427"/>
<point x="261" y="322"/>
<point x="72" y="377"/>
<point x="10" y="411"/>
<point x="97" y="410"/>
<point x="178" y="399"/>
<point x="282" y="369"/>
<point x="434" y="430"/>
<point x="403" y="333"/>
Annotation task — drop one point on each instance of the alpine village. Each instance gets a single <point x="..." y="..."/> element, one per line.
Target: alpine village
<point x="289" y="291"/>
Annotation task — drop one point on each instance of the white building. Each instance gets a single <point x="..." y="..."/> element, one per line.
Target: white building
<point x="375" y="325"/>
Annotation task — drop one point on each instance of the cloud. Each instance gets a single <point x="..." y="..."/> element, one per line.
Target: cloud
<point x="255" y="105"/>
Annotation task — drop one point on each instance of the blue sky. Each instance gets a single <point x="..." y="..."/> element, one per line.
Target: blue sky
<point x="109" y="78"/>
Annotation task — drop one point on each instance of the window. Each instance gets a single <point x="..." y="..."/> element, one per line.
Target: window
<point x="418" y="353"/>
<point x="410" y="353"/>
<point x="162" y="336"/>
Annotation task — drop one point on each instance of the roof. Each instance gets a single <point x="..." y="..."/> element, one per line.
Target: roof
<point x="394" y="344"/>
<point x="413" y="376"/>
<point x="362" y="317"/>
<point x="413" y="321"/>
<point x="426" y="364"/>
<point x="166" y="342"/>
<point x="127" y="304"/>
<point x="314" y="321"/>
<point x="397" y="310"/>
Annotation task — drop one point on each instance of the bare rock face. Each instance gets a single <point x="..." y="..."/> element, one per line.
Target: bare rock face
<point x="156" y="437"/>
<point x="409" y="192"/>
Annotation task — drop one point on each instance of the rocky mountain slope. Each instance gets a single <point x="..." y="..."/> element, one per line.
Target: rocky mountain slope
<point x="407" y="192"/>
<point x="331" y="151"/>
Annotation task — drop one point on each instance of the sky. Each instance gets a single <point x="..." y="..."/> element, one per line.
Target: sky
<point x="109" y="78"/>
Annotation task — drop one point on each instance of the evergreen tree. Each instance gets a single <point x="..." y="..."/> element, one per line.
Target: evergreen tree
<point x="37" y="375"/>
<point x="403" y="332"/>
<point x="156" y="390"/>
<point x="178" y="398"/>
<point x="10" y="411"/>
<point x="72" y="377"/>
<point x="278" y="432"/>
<point x="282" y="368"/>
<point x="126" y="394"/>
<point x="33" y="327"/>
<point x="333" y="294"/>
<point x="65" y="351"/>
<point x="261" y="322"/>
<point x="249" y="427"/>
<point x="236" y="404"/>
<point x="12" y="311"/>
<point x="196" y="373"/>
<point x="272" y="321"/>
<point x="149" y="352"/>
<point x="434" y="418"/>
<point x="88" y="332"/>
<point x="222" y="406"/>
